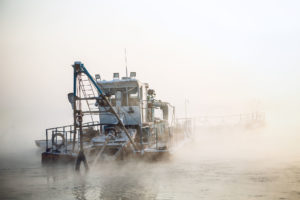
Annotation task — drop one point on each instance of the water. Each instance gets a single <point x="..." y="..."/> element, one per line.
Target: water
<point x="206" y="169"/>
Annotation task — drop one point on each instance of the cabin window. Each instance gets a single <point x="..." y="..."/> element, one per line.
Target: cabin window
<point x="133" y="99"/>
<point x="129" y="96"/>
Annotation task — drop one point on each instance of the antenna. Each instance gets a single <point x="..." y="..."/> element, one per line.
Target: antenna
<point x="126" y="63"/>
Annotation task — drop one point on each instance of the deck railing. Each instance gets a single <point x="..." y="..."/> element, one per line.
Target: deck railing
<point x="68" y="132"/>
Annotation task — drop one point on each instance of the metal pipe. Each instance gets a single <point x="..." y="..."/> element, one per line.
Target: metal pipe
<point x="74" y="108"/>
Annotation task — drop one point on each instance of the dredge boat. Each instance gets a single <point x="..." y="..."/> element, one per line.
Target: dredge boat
<point x="114" y="119"/>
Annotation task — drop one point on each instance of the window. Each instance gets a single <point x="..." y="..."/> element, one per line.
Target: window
<point x="133" y="99"/>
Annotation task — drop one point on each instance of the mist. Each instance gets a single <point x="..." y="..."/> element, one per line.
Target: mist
<point x="242" y="57"/>
<point x="222" y="58"/>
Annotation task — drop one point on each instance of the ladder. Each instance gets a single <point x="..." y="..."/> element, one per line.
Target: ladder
<point x="89" y="94"/>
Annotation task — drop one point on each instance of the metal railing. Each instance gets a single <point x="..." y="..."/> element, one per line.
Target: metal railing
<point x="67" y="131"/>
<point x="235" y="119"/>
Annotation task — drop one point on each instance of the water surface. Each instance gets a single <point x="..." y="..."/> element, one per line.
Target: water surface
<point x="191" y="174"/>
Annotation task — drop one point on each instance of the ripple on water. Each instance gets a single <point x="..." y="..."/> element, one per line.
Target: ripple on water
<point x="162" y="180"/>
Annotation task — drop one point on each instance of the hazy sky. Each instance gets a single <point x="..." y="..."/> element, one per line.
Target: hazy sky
<point x="222" y="55"/>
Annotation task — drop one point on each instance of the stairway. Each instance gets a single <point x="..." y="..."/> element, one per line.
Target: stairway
<point x="90" y="94"/>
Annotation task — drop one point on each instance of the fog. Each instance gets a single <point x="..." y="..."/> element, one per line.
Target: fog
<point x="224" y="57"/>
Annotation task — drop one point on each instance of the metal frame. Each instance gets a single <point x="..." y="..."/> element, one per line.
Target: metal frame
<point x="78" y="69"/>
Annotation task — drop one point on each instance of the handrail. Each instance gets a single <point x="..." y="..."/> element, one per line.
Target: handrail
<point x="72" y="125"/>
<point x="66" y="130"/>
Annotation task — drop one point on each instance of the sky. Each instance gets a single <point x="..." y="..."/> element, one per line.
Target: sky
<point x="223" y="56"/>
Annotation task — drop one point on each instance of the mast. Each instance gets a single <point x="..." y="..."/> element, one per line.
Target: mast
<point x="126" y="62"/>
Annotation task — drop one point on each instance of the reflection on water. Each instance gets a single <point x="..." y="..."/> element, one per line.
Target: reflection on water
<point x="180" y="180"/>
<point x="189" y="175"/>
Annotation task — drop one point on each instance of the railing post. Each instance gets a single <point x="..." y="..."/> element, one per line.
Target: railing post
<point x="156" y="138"/>
<point x="56" y="136"/>
<point x="66" y="141"/>
<point x="51" y="140"/>
<point x="46" y="140"/>
<point x="141" y="137"/>
<point x="70" y="127"/>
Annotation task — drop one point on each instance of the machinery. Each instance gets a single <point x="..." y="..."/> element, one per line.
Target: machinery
<point x="114" y="119"/>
